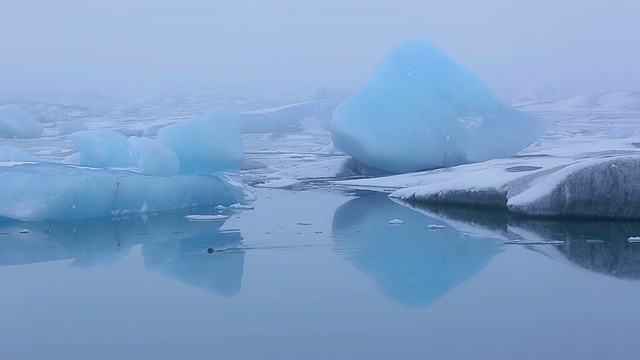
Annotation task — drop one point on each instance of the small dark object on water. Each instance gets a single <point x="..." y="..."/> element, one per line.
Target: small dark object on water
<point x="210" y="250"/>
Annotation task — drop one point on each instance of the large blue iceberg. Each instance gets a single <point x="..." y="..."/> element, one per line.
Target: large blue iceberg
<point x="49" y="191"/>
<point x="110" y="175"/>
<point x="421" y="110"/>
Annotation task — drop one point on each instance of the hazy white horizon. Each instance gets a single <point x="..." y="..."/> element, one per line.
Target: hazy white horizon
<point x="146" y="46"/>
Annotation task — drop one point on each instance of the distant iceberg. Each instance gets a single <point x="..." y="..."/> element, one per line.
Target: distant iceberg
<point x="18" y="123"/>
<point x="421" y="110"/>
<point x="206" y="144"/>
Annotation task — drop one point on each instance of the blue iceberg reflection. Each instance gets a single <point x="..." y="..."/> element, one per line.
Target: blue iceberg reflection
<point x="196" y="253"/>
<point x="411" y="264"/>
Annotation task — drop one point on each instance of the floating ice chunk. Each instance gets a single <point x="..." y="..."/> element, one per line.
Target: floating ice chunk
<point x="435" y="227"/>
<point x="11" y="154"/>
<point x="70" y="126"/>
<point x="104" y="148"/>
<point x="594" y="241"/>
<point x="16" y="122"/>
<point x="330" y="150"/>
<point x="534" y="242"/>
<point x="283" y="119"/>
<point x="155" y="158"/>
<point x="240" y="207"/>
<point x="421" y="111"/>
<point x="206" y="217"/>
<point x="396" y="222"/>
<point x="47" y="191"/>
<point x="206" y="144"/>
<point x="282" y="183"/>
<point x="634" y="239"/>
<point x="253" y="165"/>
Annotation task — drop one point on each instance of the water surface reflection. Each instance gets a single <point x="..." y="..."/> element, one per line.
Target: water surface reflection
<point x="600" y="246"/>
<point x="196" y="253"/>
<point x="411" y="264"/>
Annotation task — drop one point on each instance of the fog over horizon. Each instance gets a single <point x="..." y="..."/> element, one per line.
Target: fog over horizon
<point x="149" y="47"/>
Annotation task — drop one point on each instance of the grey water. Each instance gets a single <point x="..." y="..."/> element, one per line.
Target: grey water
<point x="320" y="274"/>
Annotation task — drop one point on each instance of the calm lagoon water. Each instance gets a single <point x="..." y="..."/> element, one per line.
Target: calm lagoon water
<point x="320" y="274"/>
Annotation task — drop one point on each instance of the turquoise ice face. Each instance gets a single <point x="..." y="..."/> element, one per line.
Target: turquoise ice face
<point x="421" y="110"/>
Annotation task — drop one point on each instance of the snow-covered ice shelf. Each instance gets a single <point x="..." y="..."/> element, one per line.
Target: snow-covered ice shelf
<point x="575" y="170"/>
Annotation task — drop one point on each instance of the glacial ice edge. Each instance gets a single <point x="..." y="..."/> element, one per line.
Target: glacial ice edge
<point x="53" y="192"/>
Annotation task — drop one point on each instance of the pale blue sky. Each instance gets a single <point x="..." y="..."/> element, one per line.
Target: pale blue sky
<point x="155" y="46"/>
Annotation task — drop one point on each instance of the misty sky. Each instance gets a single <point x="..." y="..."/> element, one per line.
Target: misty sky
<point x="158" y="46"/>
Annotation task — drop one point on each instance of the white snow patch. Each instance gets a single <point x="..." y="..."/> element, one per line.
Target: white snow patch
<point x="282" y="183"/>
<point x="206" y="217"/>
<point x="240" y="207"/>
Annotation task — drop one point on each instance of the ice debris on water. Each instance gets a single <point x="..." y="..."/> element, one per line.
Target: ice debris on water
<point x="634" y="239"/>
<point x="434" y="227"/>
<point x="396" y="222"/>
<point x="24" y="231"/>
<point x="594" y="241"/>
<point x="282" y="183"/>
<point x="206" y="217"/>
<point x="534" y="242"/>
<point x="240" y="207"/>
